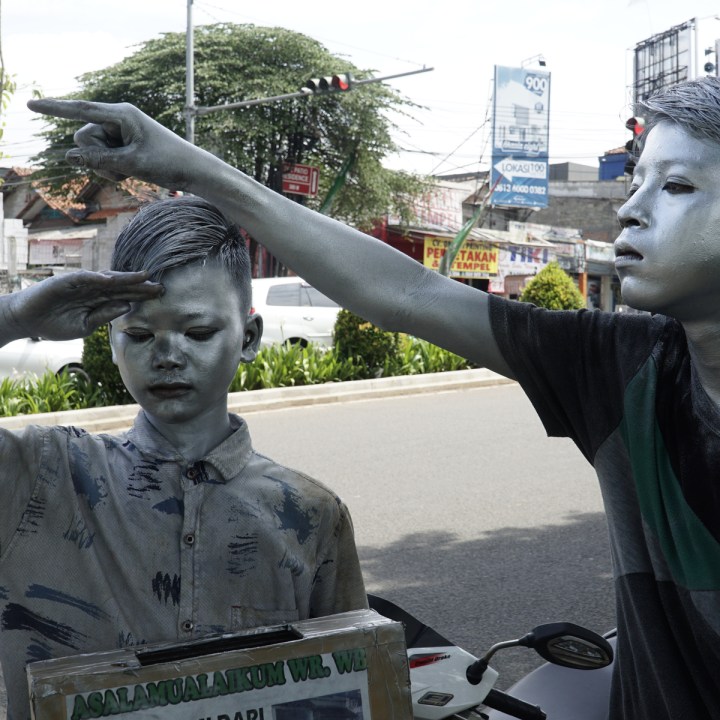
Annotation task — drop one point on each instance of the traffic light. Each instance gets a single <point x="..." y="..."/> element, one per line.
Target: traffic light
<point x="632" y="146"/>
<point x="330" y="83"/>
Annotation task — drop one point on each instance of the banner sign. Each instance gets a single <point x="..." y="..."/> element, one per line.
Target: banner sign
<point x="352" y="665"/>
<point x="474" y="260"/>
<point x="300" y="179"/>
<point x="521" y="128"/>
<point x="335" y="684"/>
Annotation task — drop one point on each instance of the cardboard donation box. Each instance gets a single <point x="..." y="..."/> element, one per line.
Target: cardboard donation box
<point x="349" y="666"/>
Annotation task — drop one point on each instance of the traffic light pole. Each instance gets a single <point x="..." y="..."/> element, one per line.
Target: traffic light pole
<point x="192" y="110"/>
<point x="298" y="94"/>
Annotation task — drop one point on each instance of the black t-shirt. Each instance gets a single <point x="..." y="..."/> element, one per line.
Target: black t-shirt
<point x="622" y="387"/>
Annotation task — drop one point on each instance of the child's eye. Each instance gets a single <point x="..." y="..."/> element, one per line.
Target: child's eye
<point x="200" y="333"/>
<point x="138" y="336"/>
<point x="678" y="188"/>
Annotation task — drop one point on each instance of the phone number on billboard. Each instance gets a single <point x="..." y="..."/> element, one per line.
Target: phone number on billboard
<point x="523" y="189"/>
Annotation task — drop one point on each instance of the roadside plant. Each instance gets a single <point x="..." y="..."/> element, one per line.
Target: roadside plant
<point x="102" y="371"/>
<point x="372" y="349"/>
<point x="554" y="289"/>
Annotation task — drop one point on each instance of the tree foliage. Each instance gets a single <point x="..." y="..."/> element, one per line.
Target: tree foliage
<point x="240" y="62"/>
<point x="554" y="289"/>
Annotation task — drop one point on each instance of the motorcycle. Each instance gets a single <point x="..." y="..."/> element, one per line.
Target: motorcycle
<point x="446" y="682"/>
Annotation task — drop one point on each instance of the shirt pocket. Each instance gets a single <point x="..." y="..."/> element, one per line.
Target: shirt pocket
<point x="242" y="617"/>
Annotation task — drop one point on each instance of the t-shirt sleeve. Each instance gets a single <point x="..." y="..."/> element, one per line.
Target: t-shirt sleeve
<point x="574" y="365"/>
<point x="21" y="457"/>
<point x="338" y="585"/>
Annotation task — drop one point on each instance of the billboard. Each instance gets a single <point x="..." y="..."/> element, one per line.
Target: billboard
<point x="521" y="128"/>
<point x="683" y="52"/>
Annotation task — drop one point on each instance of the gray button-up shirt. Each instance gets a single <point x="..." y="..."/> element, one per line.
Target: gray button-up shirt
<point x="109" y="541"/>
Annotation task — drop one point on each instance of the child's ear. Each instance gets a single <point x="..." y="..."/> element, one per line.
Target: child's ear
<point x="251" y="337"/>
<point x="112" y="346"/>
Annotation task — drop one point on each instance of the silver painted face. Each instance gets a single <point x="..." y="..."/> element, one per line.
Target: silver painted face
<point x="178" y="354"/>
<point x="668" y="253"/>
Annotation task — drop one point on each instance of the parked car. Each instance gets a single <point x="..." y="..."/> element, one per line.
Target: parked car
<point x="35" y="356"/>
<point x="293" y="311"/>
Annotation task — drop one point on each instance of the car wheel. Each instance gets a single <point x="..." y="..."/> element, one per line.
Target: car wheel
<point x="76" y="371"/>
<point x="297" y="341"/>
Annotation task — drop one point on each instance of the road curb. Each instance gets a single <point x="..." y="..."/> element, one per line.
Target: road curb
<point x="120" y="417"/>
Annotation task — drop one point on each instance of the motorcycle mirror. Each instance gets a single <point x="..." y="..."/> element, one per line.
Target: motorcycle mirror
<point x="569" y="645"/>
<point x="560" y="643"/>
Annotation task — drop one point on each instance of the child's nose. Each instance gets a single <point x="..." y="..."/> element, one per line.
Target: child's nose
<point x="168" y="354"/>
<point x="633" y="212"/>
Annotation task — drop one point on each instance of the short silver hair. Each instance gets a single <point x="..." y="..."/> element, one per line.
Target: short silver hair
<point x="171" y="233"/>
<point x="693" y="105"/>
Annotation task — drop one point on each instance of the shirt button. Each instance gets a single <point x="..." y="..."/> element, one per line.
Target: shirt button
<point x="187" y="626"/>
<point x="189" y="538"/>
<point x="191" y="473"/>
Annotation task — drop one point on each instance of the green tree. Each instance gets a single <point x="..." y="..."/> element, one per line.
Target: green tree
<point x="554" y="289"/>
<point x="239" y="62"/>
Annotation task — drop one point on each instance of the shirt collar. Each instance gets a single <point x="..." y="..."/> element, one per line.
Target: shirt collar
<point x="229" y="457"/>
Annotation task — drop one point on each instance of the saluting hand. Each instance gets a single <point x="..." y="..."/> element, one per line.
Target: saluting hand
<point x="73" y="305"/>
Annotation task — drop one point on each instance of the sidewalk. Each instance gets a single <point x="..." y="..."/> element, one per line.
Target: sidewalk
<point x="120" y="417"/>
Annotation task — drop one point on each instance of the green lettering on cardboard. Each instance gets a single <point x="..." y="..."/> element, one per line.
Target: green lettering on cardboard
<point x="317" y="669"/>
<point x="299" y="668"/>
<point x="80" y="709"/>
<point x="205" y="691"/>
<point x="275" y="673"/>
<point x="95" y="703"/>
<point x="257" y="677"/>
<point x="353" y="660"/>
<point x="241" y="682"/>
<point x="111" y="705"/>
<point x="343" y="661"/>
<point x="140" y="699"/>
<point x="220" y="686"/>
<point x="191" y="690"/>
<point x="173" y="690"/>
<point x="157" y="694"/>
<point x="122" y="696"/>
<point x="360" y="661"/>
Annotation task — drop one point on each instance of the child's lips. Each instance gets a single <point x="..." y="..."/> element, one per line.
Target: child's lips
<point x="626" y="254"/>
<point x="170" y="390"/>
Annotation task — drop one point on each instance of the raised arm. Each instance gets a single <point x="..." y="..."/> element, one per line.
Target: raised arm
<point x="358" y="271"/>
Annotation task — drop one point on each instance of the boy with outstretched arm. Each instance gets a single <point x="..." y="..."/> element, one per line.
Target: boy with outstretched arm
<point x="177" y="528"/>
<point x="639" y="394"/>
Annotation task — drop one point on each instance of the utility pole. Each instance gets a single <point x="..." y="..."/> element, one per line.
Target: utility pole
<point x="190" y="109"/>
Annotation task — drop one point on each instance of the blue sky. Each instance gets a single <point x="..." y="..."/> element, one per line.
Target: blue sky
<point x="587" y="47"/>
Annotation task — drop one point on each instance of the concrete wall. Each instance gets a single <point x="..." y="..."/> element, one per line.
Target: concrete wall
<point x="589" y="206"/>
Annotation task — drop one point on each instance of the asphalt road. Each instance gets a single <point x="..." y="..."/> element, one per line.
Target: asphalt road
<point x="465" y="513"/>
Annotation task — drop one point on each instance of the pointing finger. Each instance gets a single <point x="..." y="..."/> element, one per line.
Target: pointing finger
<point x="83" y="110"/>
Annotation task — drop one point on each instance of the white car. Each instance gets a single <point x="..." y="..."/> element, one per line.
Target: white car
<point x="293" y="311"/>
<point x="34" y="356"/>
